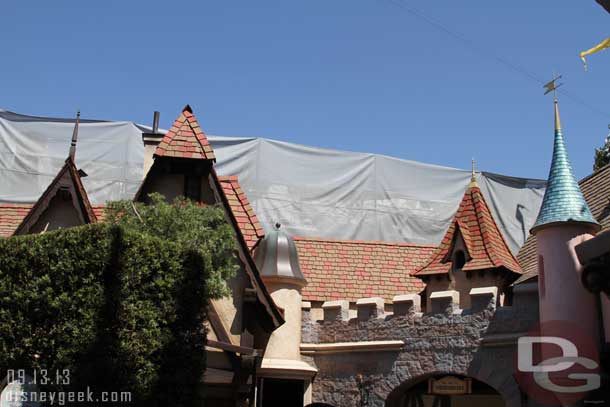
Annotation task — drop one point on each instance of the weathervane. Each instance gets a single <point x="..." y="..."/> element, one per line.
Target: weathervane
<point x="552" y="86"/>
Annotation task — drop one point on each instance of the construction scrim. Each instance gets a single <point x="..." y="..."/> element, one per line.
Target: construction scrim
<point x="312" y="192"/>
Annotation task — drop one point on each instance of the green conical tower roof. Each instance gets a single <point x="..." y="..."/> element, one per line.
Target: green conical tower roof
<point x="563" y="200"/>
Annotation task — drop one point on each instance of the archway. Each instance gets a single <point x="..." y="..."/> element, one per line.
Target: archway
<point x="444" y="390"/>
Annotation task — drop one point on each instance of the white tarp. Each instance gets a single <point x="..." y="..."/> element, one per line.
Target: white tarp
<point x="311" y="191"/>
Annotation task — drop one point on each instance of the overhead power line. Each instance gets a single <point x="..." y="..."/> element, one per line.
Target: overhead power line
<point x="485" y="53"/>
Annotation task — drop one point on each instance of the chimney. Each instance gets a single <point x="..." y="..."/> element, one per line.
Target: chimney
<point x="151" y="140"/>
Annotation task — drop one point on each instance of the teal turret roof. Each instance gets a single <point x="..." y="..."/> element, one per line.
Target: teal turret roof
<point x="563" y="200"/>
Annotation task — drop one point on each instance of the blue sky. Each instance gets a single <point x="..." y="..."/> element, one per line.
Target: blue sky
<point x="361" y="75"/>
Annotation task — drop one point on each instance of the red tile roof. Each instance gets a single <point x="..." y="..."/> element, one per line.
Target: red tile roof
<point x="241" y="208"/>
<point x="484" y="242"/>
<point x="11" y="216"/>
<point x="349" y="269"/>
<point x="185" y="139"/>
<point x="100" y="212"/>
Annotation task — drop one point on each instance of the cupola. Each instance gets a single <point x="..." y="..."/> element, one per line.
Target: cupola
<point x="277" y="258"/>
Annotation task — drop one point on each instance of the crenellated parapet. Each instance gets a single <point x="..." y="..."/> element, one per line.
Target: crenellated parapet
<point x="344" y="320"/>
<point x="385" y="344"/>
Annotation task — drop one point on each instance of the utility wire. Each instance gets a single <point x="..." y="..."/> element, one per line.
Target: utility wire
<point x="489" y="55"/>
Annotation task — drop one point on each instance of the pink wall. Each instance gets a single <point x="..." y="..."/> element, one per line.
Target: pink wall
<point x="562" y="295"/>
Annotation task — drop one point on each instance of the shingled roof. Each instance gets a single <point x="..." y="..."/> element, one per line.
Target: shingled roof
<point x="596" y="190"/>
<point x="352" y="269"/>
<point x="485" y="245"/>
<point x="11" y="216"/>
<point x="241" y="208"/>
<point x="185" y="139"/>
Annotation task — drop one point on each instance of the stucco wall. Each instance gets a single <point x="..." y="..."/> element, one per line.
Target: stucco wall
<point x="285" y="341"/>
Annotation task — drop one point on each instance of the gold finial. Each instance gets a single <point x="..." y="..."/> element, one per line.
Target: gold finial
<point x="473" y="178"/>
<point x="552" y="87"/>
<point x="557" y="120"/>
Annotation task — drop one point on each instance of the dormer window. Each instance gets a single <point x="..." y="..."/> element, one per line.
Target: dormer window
<point x="459" y="259"/>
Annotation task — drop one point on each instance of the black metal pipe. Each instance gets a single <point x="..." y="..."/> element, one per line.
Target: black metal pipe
<point x="155" y="127"/>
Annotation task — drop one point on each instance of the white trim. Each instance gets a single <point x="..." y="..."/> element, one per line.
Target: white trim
<point x="286" y="368"/>
<point x="342" y="347"/>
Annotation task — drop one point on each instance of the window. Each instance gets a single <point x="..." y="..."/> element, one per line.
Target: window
<point x="192" y="187"/>
<point x="459" y="259"/>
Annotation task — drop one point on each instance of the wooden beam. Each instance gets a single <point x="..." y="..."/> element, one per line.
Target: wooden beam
<point x="232" y="348"/>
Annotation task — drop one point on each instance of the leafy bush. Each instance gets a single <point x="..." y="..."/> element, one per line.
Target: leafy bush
<point x="121" y="304"/>
<point x="201" y="229"/>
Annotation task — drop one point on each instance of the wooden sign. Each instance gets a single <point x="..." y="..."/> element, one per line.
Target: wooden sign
<point x="450" y="385"/>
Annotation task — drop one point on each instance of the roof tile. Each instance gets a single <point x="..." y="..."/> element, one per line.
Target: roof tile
<point x="185" y="139"/>
<point x="242" y="210"/>
<point x="352" y="269"/>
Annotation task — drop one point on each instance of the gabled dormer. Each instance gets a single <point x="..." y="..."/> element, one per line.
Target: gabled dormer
<point x="64" y="203"/>
<point x="473" y="252"/>
<point x="182" y="165"/>
<point x="182" y="162"/>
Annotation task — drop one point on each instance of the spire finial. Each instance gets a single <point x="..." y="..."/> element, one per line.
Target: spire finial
<point x="473" y="177"/>
<point x="74" y="136"/>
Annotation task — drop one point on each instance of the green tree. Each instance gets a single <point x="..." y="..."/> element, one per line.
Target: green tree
<point x="191" y="226"/>
<point x="602" y="154"/>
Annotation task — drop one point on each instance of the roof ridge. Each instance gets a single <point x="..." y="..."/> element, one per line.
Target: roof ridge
<point x="16" y="205"/>
<point x="370" y="242"/>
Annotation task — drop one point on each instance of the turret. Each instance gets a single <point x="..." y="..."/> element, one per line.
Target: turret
<point x="277" y="260"/>
<point x="563" y="222"/>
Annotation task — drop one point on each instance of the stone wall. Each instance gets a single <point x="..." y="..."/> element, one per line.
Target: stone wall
<point x="363" y="360"/>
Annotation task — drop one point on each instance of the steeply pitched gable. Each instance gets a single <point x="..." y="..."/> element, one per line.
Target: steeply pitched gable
<point x="485" y="246"/>
<point x="185" y="139"/>
<point x="68" y="179"/>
